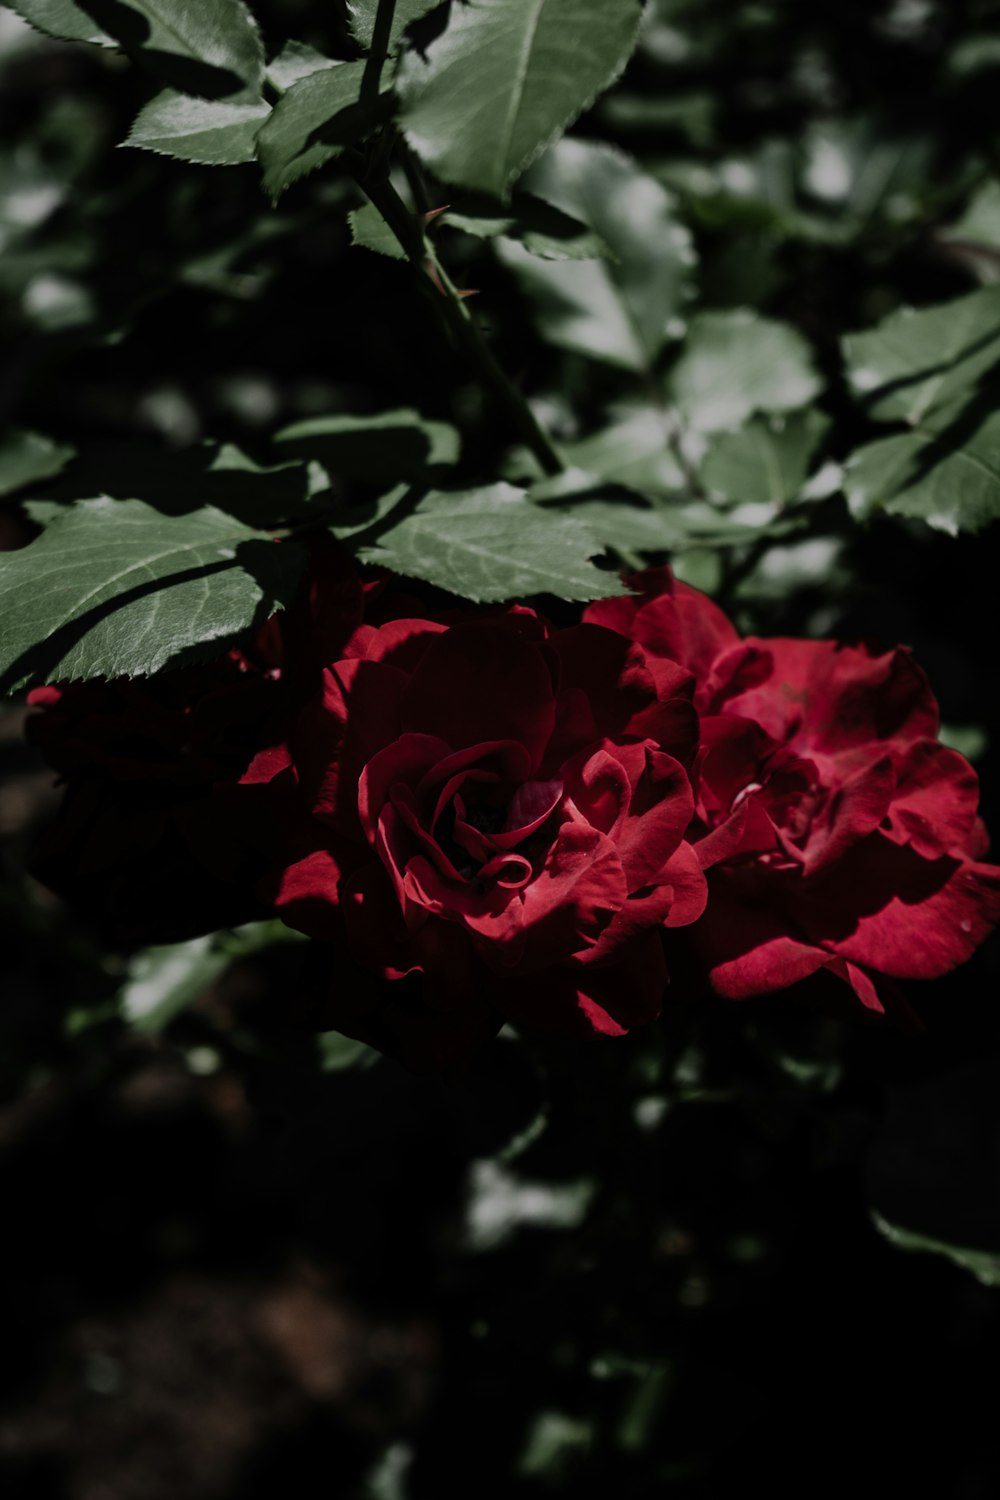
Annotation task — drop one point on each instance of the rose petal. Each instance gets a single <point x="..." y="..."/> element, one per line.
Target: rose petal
<point x="531" y="805"/>
<point x="307" y="896"/>
<point x="599" y="786"/>
<point x="750" y="946"/>
<point x="657" y="817"/>
<point x="828" y="698"/>
<point x="482" y="682"/>
<point x="574" y="895"/>
<point x="266" y="765"/>
<point x="496" y="761"/>
<point x="934" y="808"/>
<point x="748" y="830"/>
<point x="625" y="699"/>
<point x="628" y="990"/>
<point x="852" y="811"/>
<point x="669" y="619"/>
<point x="402" y="643"/>
<point x="689" y="888"/>
<point x="901" y="915"/>
<point x="492" y="914"/>
<point x="355" y="716"/>
<point x="408" y="761"/>
<point x="377" y="935"/>
<point x="405" y="804"/>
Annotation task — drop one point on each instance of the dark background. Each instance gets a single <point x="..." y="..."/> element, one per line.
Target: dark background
<point x="233" y="1264"/>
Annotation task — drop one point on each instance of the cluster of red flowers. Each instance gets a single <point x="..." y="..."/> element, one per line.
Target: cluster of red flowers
<point x="504" y="820"/>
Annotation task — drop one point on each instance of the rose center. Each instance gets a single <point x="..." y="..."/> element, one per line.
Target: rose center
<point x="486" y="817"/>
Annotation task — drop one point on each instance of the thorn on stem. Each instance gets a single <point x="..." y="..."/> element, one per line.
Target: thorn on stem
<point x="432" y="272"/>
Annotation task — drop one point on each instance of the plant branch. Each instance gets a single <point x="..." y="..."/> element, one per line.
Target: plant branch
<point x="371" y="79"/>
<point x="457" y="320"/>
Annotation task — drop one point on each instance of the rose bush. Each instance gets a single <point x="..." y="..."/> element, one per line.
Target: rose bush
<point x="500" y="806"/>
<point x="839" y="834"/>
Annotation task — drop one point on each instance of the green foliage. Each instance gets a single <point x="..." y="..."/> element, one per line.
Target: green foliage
<point x="540" y="227"/>
<point x="984" y="1265"/>
<point x="618" y="309"/>
<point x="369" y="229"/>
<point x="505" y="78"/>
<point x="695" y="422"/>
<point x="765" y="462"/>
<point x="212" y="48"/>
<point x="491" y="544"/>
<point x="295" y="60"/>
<point x="980" y="223"/>
<point x="736" y="363"/>
<point x="114" y="588"/>
<point x="916" y="362"/>
<point x="634" y="449"/>
<point x="62" y="19"/>
<point x="28" y="458"/>
<point x="361" y="17"/>
<point x="393" y="446"/>
<point x="211" y="131"/>
<point x="945" y="473"/>
<point x="165" y="980"/>
<point x="311" y="124"/>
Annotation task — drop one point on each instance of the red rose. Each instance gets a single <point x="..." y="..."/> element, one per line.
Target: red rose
<point x="501" y="806"/>
<point x="840" y="835"/>
<point x="148" y="840"/>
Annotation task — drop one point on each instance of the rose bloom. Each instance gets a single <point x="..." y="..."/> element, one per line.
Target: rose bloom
<point x="839" y="834"/>
<point x="148" y="841"/>
<point x="499" y="806"/>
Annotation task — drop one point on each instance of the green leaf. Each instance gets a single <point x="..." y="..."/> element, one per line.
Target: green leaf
<point x="61" y="19"/>
<point x="980" y="223"/>
<point x="914" y="361"/>
<point x="765" y="462"/>
<point x="369" y="230"/>
<point x="312" y="124"/>
<point x="211" y="48"/>
<point x="351" y="520"/>
<point x="164" y="981"/>
<point x="177" y="481"/>
<point x="540" y="227"/>
<point x="859" y="174"/>
<point x="984" y="1265"/>
<point x="115" y="588"/>
<point x="627" y="525"/>
<point x="361" y="18"/>
<point x="492" y="544"/>
<point x="736" y="363"/>
<point x="295" y="60"/>
<point x="633" y="450"/>
<point x="946" y="472"/>
<point x="383" y="449"/>
<point x="506" y="78"/>
<point x="338" y="1053"/>
<point x="620" y="522"/>
<point x="30" y="457"/>
<point x="211" y="131"/>
<point x="619" y="311"/>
